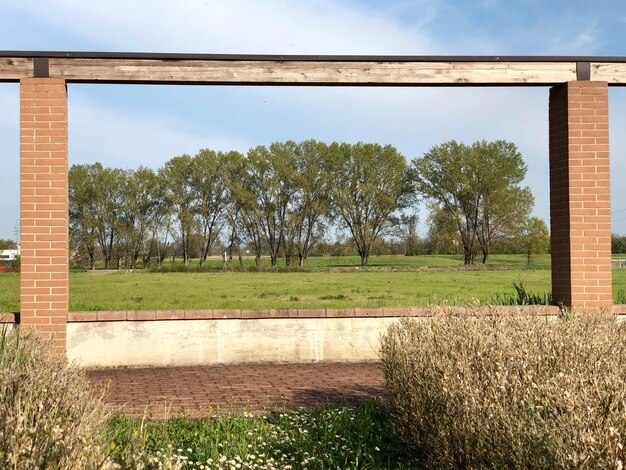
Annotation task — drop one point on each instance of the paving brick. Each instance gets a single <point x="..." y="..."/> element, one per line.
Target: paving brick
<point x="255" y="313"/>
<point x="396" y="311"/>
<point x="283" y="313"/>
<point x="140" y="315"/>
<point x="226" y="313"/>
<point x="112" y="316"/>
<point x="170" y="315"/>
<point x="82" y="316"/>
<point x="311" y="313"/>
<point x="368" y="312"/>
<point x="339" y="312"/>
<point x="207" y="390"/>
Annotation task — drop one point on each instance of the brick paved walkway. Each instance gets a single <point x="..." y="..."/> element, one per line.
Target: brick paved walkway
<point x="209" y="390"/>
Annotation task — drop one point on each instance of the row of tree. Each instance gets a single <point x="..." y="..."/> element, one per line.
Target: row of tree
<point x="283" y="199"/>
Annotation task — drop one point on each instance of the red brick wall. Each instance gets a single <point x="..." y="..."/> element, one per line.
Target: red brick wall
<point x="43" y="207"/>
<point x="580" y="207"/>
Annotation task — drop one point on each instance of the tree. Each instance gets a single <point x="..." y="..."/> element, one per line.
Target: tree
<point x="142" y="200"/>
<point x="82" y="207"/>
<point x="370" y="183"/>
<point x="209" y="181"/>
<point x="6" y="244"/>
<point x="270" y="186"/>
<point x="535" y="237"/>
<point x="408" y="233"/>
<point x="109" y="186"/>
<point x="443" y="235"/>
<point x="618" y="243"/>
<point x="177" y="178"/>
<point x="243" y="216"/>
<point x="478" y="187"/>
<point x="503" y="212"/>
<point x="311" y="203"/>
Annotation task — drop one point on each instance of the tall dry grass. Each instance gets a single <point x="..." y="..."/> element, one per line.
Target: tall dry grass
<point x="49" y="416"/>
<point x="496" y="390"/>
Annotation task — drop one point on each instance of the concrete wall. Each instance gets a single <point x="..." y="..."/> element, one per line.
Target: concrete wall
<point x="196" y="342"/>
<point x="209" y="341"/>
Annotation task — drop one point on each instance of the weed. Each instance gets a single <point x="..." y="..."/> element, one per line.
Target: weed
<point x="522" y="297"/>
<point x="333" y="297"/>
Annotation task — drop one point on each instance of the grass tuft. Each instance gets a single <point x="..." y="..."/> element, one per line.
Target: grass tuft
<point x="522" y="297"/>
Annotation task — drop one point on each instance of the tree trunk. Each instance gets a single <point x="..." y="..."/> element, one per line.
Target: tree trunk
<point x="301" y="259"/>
<point x="185" y="241"/>
<point x="467" y="255"/>
<point x="364" y="258"/>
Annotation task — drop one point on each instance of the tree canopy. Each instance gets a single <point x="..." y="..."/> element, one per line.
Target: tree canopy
<point x="478" y="188"/>
<point x="372" y="183"/>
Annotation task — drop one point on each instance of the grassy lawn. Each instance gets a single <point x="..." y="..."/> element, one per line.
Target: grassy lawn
<point x="120" y="290"/>
<point x="382" y="261"/>
<point x="345" y="437"/>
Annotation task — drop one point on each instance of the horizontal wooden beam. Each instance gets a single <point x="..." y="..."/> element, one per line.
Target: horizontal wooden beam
<point x="12" y="69"/>
<point x="613" y="73"/>
<point x="312" y="70"/>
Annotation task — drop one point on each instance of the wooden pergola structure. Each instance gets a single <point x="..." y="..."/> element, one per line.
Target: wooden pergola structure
<point x="578" y="125"/>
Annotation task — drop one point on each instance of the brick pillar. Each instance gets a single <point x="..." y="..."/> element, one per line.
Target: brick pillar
<point x="580" y="206"/>
<point x="43" y="207"/>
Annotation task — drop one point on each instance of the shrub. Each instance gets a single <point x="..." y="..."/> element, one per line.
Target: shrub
<point x="495" y="390"/>
<point x="49" y="417"/>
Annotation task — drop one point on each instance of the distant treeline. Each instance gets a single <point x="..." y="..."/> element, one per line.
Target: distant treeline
<point x="292" y="200"/>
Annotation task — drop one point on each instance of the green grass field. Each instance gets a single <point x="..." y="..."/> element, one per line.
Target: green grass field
<point x="324" y="263"/>
<point x="138" y="290"/>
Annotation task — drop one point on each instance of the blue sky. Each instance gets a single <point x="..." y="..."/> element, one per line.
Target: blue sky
<point x="133" y="125"/>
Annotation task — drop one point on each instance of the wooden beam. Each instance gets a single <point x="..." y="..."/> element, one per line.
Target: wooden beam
<point x="14" y="68"/>
<point x="311" y="72"/>
<point x="613" y="73"/>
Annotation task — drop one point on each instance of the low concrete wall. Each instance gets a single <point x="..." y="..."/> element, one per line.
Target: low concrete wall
<point x="197" y="337"/>
<point x="196" y="342"/>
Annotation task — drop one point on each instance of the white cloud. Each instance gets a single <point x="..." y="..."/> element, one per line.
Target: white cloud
<point x="237" y="26"/>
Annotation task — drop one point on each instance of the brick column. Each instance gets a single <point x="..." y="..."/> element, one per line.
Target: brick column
<point x="580" y="207"/>
<point x="43" y="207"/>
